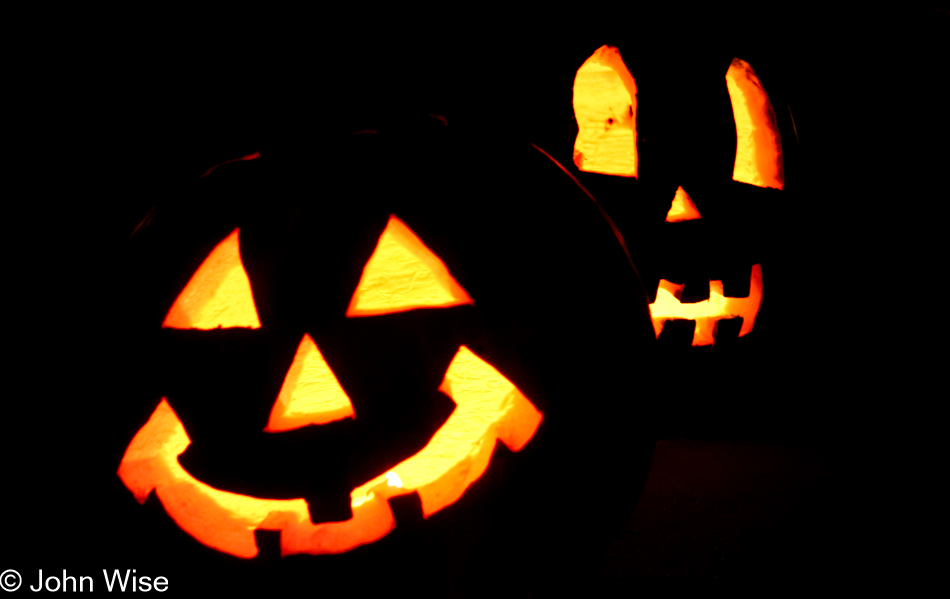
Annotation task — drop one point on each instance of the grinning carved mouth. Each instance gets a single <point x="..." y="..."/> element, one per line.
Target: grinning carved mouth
<point x="488" y="408"/>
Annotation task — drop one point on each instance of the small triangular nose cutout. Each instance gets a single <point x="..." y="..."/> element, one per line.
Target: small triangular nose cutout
<point x="403" y="274"/>
<point x="683" y="208"/>
<point x="310" y="394"/>
<point x="218" y="294"/>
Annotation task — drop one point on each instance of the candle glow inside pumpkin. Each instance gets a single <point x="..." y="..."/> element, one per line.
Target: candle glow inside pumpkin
<point x="402" y="274"/>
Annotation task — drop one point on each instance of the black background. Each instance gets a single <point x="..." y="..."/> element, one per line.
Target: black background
<point x="789" y="485"/>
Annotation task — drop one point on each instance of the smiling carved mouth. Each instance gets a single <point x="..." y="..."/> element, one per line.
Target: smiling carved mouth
<point x="488" y="408"/>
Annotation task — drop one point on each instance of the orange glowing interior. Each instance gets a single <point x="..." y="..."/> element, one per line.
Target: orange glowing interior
<point x="488" y="407"/>
<point x="218" y="294"/>
<point x="605" y="107"/>
<point x="403" y="274"/>
<point x="683" y="208"/>
<point x="707" y="313"/>
<point x="758" y="144"/>
<point x="310" y="394"/>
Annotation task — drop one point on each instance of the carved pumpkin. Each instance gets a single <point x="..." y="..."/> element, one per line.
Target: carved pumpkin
<point x="402" y="274"/>
<point x="687" y="261"/>
<point x="339" y="368"/>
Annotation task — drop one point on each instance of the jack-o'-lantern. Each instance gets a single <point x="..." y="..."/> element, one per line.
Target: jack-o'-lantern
<point x="334" y="365"/>
<point x="675" y="149"/>
<point x="402" y="274"/>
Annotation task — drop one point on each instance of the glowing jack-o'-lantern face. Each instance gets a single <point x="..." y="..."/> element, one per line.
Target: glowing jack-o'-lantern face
<point x="402" y="274"/>
<point x="605" y="107"/>
<point x="709" y="312"/>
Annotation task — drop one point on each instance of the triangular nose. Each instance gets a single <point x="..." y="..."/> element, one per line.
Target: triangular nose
<point x="683" y="208"/>
<point x="311" y="394"/>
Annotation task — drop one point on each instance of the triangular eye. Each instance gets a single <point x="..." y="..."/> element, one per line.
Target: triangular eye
<point x="310" y="394"/>
<point x="683" y="208"/>
<point x="403" y="274"/>
<point x="218" y="294"/>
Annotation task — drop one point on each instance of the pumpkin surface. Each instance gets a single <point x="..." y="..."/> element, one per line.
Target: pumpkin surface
<point x="303" y="392"/>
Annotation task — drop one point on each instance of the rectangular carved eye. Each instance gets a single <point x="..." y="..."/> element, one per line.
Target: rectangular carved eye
<point x="758" y="145"/>
<point x="403" y="274"/>
<point x="605" y="106"/>
<point x="218" y="294"/>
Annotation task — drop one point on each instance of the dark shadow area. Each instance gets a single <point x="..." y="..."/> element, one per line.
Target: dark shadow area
<point x="787" y="459"/>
